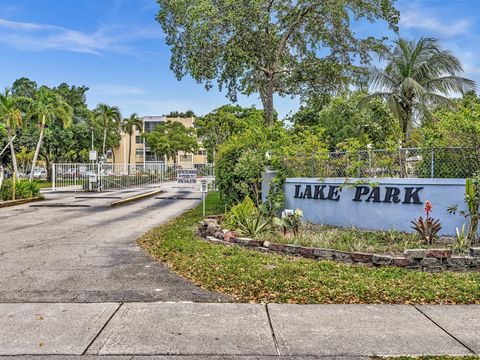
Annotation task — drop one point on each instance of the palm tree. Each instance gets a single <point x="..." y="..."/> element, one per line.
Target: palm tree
<point x="128" y="126"/>
<point x="11" y="115"/>
<point x="418" y="75"/>
<point x="47" y="107"/>
<point x="109" y="117"/>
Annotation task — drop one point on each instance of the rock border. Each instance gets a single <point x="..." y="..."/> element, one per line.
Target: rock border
<point x="9" y="203"/>
<point x="429" y="260"/>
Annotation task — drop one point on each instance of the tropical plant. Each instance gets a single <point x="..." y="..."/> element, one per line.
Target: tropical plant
<point x="128" y="126"/>
<point x="272" y="47"/>
<point x="245" y="218"/>
<point x="46" y="108"/>
<point x="11" y="115"/>
<point x="290" y="220"/>
<point x="109" y="117"/>
<point x="472" y="200"/>
<point x="427" y="228"/>
<point x="461" y="239"/>
<point x="418" y="75"/>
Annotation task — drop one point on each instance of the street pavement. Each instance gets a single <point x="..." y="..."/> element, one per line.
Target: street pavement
<point x="75" y="247"/>
<point x="227" y="330"/>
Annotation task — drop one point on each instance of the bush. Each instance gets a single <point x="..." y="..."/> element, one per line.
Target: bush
<point x="24" y="189"/>
<point x="246" y="219"/>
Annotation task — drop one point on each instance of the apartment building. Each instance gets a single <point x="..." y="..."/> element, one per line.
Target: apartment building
<point x="141" y="154"/>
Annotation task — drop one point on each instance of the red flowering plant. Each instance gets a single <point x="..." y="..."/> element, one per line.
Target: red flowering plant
<point x="429" y="227"/>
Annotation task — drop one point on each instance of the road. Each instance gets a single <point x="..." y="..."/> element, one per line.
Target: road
<point x="74" y="247"/>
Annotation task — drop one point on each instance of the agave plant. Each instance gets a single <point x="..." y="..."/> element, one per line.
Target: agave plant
<point x="290" y="220"/>
<point x="429" y="227"/>
<point x="246" y="219"/>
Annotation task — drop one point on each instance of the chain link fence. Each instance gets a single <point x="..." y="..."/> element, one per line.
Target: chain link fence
<point x="453" y="162"/>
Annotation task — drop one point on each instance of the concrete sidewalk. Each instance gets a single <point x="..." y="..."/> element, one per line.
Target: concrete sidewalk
<point x="222" y="331"/>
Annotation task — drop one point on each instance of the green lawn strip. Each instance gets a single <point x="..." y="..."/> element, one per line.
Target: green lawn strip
<point x="44" y="184"/>
<point x="433" y="357"/>
<point x="251" y="276"/>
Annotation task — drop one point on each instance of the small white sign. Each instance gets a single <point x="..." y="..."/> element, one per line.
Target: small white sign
<point x="204" y="186"/>
<point x="92" y="155"/>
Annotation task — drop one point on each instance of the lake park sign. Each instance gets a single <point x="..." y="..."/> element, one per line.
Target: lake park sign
<point x="376" y="204"/>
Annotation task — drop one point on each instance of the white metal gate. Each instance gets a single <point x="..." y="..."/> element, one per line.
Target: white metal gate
<point x="106" y="177"/>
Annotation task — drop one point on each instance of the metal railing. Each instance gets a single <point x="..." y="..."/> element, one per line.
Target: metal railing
<point x="108" y="176"/>
<point x="453" y="162"/>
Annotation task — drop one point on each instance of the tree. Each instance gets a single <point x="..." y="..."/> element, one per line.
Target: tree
<point x="11" y="115"/>
<point x="109" y="117"/>
<point x="128" y="126"/>
<point x="220" y="124"/>
<point x="285" y="47"/>
<point x="186" y="114"/>
<point x="170" y="137"/>
<point x="46" y="108"/>
<point x="25" y="87"/>
<point x="418" y="75"/>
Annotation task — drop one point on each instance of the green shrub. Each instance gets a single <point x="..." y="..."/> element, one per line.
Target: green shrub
<point x="24" y="189"/>
<point x="246" y="219"/>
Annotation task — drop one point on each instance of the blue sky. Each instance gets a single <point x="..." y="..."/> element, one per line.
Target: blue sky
<point x="117" y="49"/>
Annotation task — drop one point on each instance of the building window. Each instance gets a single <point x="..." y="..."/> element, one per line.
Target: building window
<point x="138" y="139"/>
<point x="202" y="152"/>
<point x="150" y="126"/>
<point x="139" y="153"/>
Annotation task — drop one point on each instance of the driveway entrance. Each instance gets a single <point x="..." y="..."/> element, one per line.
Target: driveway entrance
<point x="75" y="247"/>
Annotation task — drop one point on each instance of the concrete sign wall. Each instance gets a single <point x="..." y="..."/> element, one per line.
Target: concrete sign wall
<point x="381" y="204"/>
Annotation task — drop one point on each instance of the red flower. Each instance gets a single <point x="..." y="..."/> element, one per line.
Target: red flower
<point x="428" y="208"/>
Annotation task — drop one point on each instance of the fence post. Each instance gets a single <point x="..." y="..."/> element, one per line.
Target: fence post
<point x="54" y="177"/>
<point x="432" y="164"/>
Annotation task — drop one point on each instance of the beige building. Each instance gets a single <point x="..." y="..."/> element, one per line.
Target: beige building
<point x="140" y="153"/>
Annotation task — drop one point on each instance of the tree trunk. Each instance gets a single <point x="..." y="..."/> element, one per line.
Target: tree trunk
<point x="129" y="152"/>
<point x="37" y="150"/>
<point x="12" y="150"/>
<point x="49" y="168"/>
<point x="104" y="140"/>
<point x="267" y="100"/>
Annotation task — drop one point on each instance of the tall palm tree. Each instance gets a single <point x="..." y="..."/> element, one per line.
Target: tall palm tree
<point x="45" y="108"/>
<point x="109" y="117"/>
<point x="418" y="75"/>
<point x="11" y="115"/>
<point x="128" y="126"/>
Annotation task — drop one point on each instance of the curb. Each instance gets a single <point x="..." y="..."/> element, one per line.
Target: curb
<point x="20" y="201"/>
<point x="135" y="198"/>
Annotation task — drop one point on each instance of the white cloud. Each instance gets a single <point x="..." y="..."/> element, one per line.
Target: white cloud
<point x="38" y="37"/>
<point x="425" y="19"/>
<point x="115" y="90"/>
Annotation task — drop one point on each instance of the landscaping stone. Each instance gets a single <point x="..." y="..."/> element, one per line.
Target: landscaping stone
<point x="307" y="252"/>
<point x="361" y="257"/>
<point x="382" y="259"/>
<point x="457" y="261"/>
<point x="475" y="251"/>
<point x="276" y="247"/>
<point x="229" y="236"/>
<point x="415" y="253"/>
<point x="342" y="256"/>
<point x="248" y="241"/>
<point x="430" y="262"/>
<point x="292" y="249"/>
<point x="325" y="254"/>
<point x="472" y="261"/>
<point x="401" y="261"/>
<point x="439" y="253"/>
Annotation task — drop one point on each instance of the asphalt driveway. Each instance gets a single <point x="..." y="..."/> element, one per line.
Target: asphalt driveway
<point x="74" y="247"/>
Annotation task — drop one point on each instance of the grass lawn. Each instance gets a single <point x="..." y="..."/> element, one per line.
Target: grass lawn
<point x="251" y="276"/>
<point x="44" y="184"/>
<point x="352" y="239"/>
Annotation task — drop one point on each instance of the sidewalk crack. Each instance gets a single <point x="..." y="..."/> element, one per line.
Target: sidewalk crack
<point x="272" y="331"/>
<point x="103" y="328"/>
<point x="445" y="330"/>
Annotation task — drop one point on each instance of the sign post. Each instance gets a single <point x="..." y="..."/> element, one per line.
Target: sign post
<point x="204" y="190"/>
